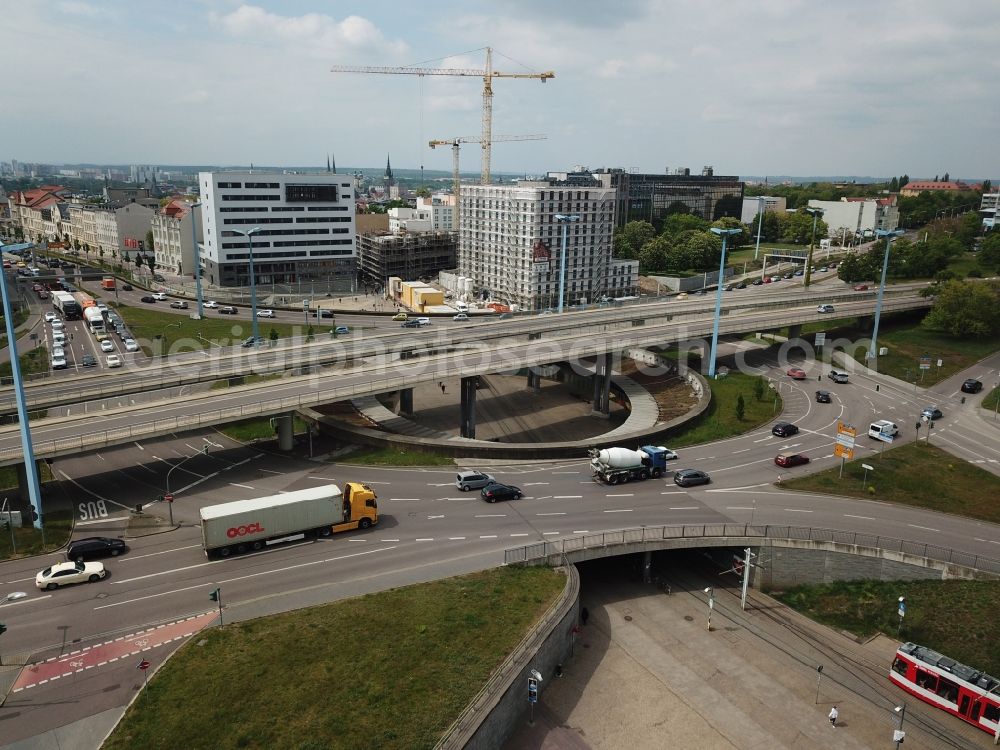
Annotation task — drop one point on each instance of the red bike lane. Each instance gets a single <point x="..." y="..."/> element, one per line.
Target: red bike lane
<point x="111" y="651"/>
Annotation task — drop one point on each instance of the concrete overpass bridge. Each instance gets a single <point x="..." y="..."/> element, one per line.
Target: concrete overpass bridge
<point x="411" y="360"/>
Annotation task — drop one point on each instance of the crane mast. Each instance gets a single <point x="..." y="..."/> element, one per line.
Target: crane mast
<point x="487" y="74"/>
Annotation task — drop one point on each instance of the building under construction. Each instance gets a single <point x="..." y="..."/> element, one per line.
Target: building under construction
<point x="408" y="255"/>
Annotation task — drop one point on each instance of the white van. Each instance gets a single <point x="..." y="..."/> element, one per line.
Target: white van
<point x="883" y="430"/>
<point x="462" y="307"/>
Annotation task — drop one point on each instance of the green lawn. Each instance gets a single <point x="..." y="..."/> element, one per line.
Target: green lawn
<point x="35" y="361"/>
<point x="258" y="429"/>
<point x="914" y="474"/>
<point x="970" y="631"/>
<point x="389" y="670"/>
<point x="28" y="539"/>
<point x="719" y="421"/>
<point x="179" y="333"/>
<point x="390" y="456"/>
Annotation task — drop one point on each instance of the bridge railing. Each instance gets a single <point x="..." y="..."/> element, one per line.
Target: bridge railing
<point x="568" y="545"/>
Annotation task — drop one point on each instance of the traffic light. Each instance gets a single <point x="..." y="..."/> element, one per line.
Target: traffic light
<point x="532" y="690"/>
<point x="215" y="595"/>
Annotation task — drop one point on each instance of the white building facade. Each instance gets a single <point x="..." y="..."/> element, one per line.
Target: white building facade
<point x="440" y="209"/>
<point x="752" y="206"/>
<point x="859" y="216"/>
<point x="988" y="208"/>
<point x="510" y="244"/>
<point x="174" y="239"/>
<point x="304" y="228"/>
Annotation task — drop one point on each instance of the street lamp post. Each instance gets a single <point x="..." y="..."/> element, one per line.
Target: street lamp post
<point x="725" y="234"/>
<point x="203" y="451"/>
<point x="815" y="213"/>
<point x="563" y="219"/>
<point x="872" y="350"/>
<point x="253" y="285"/>
<point x="711" y="605"/>
<point x="899" y="734"/>
<point x="197" y="260"/>
<point x="760" y="223"/>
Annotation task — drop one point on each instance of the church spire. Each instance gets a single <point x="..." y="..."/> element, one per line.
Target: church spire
<point x="328" y="162"/>
<point x="334" y="169"/>
<point x="388" y="168"/>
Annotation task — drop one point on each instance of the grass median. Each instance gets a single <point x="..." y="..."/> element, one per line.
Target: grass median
<point x="722" y="420"/>
<point x="916" y="474"/>
<point x="388" y="670"/>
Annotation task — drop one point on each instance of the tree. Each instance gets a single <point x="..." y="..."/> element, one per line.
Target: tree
<point x="989" y="251"/>
<point x="894" y="185"/>
<point x="987" y="186"/>
<point x="682" y="222"/>
<point x="310" y="333"/>
<point x="630" y="239"/>
<point x="966" y="309"/>
<point x="797" y="228"/>
<point x="76" y="244"/>
<point x="149" y="241"/>
<point x="654" y="256"/>
<point x="758" y="389"/>
<point x="741" y="408"/>
<point x="422" y="192"/>
<point x="945" y="178"/>
<point x="273" y="334"/>
<point x="678" y="207"/>
<point x="86" y="248"/>
<point x="729" y="222"/>
<point x="100" y="253"/>
<point x="904" y="180"/>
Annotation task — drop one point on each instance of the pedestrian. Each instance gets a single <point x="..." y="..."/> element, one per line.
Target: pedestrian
<point x="834" y="713"/>
<point x="442" y="387"/>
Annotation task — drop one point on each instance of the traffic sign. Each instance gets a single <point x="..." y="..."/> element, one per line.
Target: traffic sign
<point x="168" y="498"/>
<point x="143" y="665"/>
<point x="844" y="447"/>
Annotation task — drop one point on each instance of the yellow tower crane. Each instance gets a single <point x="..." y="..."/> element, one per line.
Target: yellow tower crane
<point x="488" y="74"/>
<point x="456" y="178"/>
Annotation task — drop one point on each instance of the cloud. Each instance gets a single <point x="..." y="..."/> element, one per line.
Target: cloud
<point x="315" y="33"/>
<point x="75" y="8"/>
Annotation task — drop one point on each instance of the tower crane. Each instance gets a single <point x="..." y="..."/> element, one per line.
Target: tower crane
<point x="456" y="178"/>
<point x="488" y="74"/>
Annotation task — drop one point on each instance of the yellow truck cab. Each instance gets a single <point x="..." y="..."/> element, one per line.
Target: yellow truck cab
<point x="360" y="507"/>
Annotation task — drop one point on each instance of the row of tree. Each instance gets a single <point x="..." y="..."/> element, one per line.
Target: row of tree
<point x="965" y="309"/>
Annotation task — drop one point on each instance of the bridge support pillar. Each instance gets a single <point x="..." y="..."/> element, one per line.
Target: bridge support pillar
<point x="647" y="567"/>
<point x="406" y="402"/>
<point x="602" y="386"/>
<point x="467" y="411"/>
<point x="866" y="322"/>
<point x="794" y="332"/>
<point x="534" y="379"/>
<point x="286" y="431"/>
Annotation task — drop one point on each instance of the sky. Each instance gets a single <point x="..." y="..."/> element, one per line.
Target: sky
<point x="771" y="87"/>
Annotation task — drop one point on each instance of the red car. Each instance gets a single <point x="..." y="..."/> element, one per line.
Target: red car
<point x="791" y="459"/>
<point x="796" y="374"/>
<point x="861" y="287"/>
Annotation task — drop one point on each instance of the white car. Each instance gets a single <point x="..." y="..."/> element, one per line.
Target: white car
<point x="58" y="352"/>
<point x="266" y="314"/>
<point x="160" y="296"/>
<point x="113" y="360"/>
<point x="50" y="316"/>
<point x="131" y="346"/>
<point x="669" y="455"/>
<point x="423" y="321"/>
<point x="58" y="363"/>
<point x="107" y="346"/>
<point x="57" y="325"/>
<point x="461" y="317"/>
<point x="211" y="304"/>
<point x="824" y="309"/>
<point x="58" y="338"/>
<point x="63" y="574"/>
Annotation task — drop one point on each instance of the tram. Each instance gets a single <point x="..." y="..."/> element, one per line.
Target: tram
<point x="962" y="691"/>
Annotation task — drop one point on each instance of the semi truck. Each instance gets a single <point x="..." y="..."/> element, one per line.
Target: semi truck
<point x="620" y="465"/>
<point x="251" y="525"/>
<point x="67" y="306"/>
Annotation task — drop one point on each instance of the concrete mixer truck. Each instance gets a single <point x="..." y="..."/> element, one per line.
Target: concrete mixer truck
<point x="619" y="465"/>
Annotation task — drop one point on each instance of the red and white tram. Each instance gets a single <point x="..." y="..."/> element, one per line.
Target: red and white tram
<point x="969" y="694"/>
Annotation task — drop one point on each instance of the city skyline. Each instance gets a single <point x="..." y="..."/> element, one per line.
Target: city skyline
<point x="642" y="85"/>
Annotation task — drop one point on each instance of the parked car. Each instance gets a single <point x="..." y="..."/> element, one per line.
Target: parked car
<point x="399" y="316"/>
<point x="972" y="386"/>
<point x="690" y="477"/>
<point x="496" y="491"/>
<point x="64" y="574"/>
<point x="837" y="376"/>
<point x="784" y="429"/>
<point x="147" y="299"/>
<point x="790" y="459"/>
<point x="160" y="296"/>
<point x="266" y="314"/>
<point x="823" y="397"/>
<point x="931" y="412"/>
<point x="470" y="480"/>
<point x="796" y="373"/>
<point x="210" y="304"/>
<point x="88" y="360"/>
<point x="824" y="309"/>
<point x="95" y="546"/>
<point x="179" y="304"/>
<point x="113" y="360"/>
<point x="228" y="310"/>
<point x="861" y="287"/>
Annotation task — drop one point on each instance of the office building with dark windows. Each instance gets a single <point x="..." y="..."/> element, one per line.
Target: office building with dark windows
<point x="304" y="229"/>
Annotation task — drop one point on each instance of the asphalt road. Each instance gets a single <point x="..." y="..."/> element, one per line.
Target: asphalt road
<point x="429" y="528"/>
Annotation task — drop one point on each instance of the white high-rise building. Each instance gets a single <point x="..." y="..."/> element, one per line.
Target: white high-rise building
<point x="305" y="228"/>
<point x="511" y="241"/>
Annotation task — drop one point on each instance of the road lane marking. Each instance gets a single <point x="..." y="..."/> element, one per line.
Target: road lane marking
<point x="624" y="494"/>
<point x="923" y="528"/>
<point x="740" y="507"/>
<point x="562" y="513"/>
<point x="567" y="497"/>
<point x="431" y="518"/>
<point x="863" y="518"/>
<point x="271" y="471"/>
<point x="550" y="533"/>
<point x="492" y="515"/>
<point x="525" y="534"/>
<point x="584" y="531"/>
<point x="237" y="484"/>
<point x="456" y="538"/>
<point x="388" y="540"/>
<point x="26" y="601"/>
<point x="565" y="472"/>
<point x="154" y="554"/>
<point x="405" y="499"/>
<point x="797" y="510"/>
<point x="138" y="445"/>
<point x="488" y="536"/>
<point x="618" y="510"/>
<point x="532" y="484"/>
<point x="424" y="539"/>
<point x="685" y="507"/>
<point x="742" y="450"/>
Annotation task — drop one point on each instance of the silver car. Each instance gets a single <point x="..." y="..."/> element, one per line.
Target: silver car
<point x="472" y="480"/>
